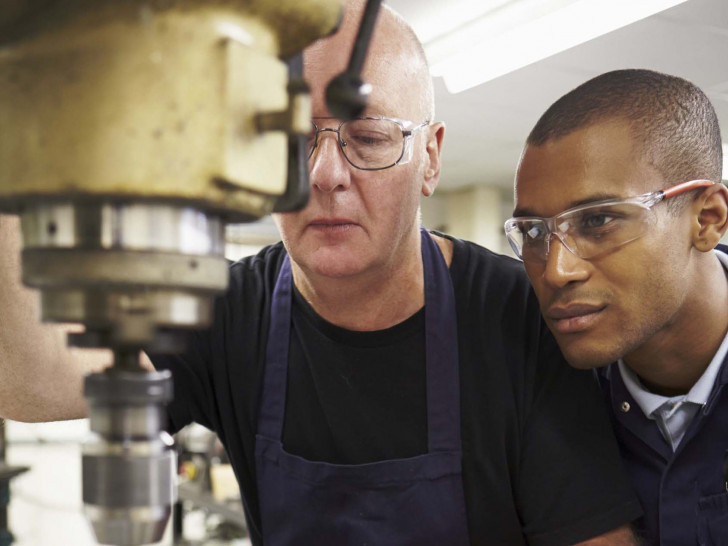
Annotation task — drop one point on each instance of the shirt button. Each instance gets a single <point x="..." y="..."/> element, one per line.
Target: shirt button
<point x="625" y="407"/>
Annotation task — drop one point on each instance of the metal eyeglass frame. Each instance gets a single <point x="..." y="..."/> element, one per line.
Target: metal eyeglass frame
<point x="407" y="135"/>
<point x="647" y="201"/>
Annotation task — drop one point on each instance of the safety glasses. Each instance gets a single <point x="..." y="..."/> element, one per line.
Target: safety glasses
<point x="592" y="229"/>
<point x="369" y="144"/>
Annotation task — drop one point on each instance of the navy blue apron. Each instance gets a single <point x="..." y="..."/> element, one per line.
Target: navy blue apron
<point x="416" y="501"/>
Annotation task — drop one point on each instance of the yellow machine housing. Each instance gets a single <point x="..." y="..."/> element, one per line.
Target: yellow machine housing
<point x="151" y="100"/>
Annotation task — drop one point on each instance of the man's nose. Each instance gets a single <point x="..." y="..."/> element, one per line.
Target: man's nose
<point x="563" y="266"/>
<point x="329" y="169"/>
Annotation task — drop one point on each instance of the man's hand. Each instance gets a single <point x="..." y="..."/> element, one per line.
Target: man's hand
<point x="621" y="536"/>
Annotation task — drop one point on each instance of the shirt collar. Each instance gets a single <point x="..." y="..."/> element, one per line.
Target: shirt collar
<point x="646" y="400"/>
<point x="700" y="391"/>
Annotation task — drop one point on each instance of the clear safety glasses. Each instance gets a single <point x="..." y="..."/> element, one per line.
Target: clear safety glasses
<point x="592" y="229"/>
<point x="370" y="144"/>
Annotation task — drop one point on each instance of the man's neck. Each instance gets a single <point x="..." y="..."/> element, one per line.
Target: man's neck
<point x="371" y="300"/>
<point x="674" y="359"/>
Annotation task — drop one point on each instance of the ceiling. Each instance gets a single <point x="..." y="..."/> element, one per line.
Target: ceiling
<point x="487" y="125"/>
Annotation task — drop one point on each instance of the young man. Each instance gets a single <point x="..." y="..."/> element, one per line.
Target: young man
<point x="374" y="383"/>
<point x="618" y="210"/>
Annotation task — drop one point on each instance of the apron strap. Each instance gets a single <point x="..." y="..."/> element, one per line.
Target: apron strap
<point x="441" y="349"/>
<point x="273" y="398"/>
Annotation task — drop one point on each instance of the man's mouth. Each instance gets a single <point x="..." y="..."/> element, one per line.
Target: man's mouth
<point x="332" y="225"/>
<point x="574" y="317"/>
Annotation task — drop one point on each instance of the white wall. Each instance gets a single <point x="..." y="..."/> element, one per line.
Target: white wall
<point x="476" y="214"/>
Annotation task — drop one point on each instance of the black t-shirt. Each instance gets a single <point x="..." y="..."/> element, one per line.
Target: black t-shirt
<point x="540" y="465"/>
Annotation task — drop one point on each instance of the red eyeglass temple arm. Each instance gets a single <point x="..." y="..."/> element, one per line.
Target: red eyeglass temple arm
<point x="686" y="186"/>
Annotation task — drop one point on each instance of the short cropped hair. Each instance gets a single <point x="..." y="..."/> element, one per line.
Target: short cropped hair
<point x="671" y="119"/>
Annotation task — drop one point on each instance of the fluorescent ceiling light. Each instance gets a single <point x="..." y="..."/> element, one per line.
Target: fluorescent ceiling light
<point x="725" y="162"/>
<point x="520" y="32"/>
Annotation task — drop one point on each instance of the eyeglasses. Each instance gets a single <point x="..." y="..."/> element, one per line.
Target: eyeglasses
<point x="592" y="229"/>
<point x="370" y="144"/>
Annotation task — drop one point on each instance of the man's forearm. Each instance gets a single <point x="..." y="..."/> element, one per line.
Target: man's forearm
<point x="40" y="378"/>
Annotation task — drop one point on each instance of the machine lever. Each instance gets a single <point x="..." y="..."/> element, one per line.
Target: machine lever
<point x="347" y="94"/>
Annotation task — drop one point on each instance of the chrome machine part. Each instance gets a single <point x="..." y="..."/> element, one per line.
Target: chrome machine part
<point x="129" y="466"/>
<point x="132" y="273"/>
<point x="129" y="272"/>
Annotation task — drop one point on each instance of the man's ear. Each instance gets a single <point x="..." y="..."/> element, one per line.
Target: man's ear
<point x="435" y="136"/>
<point x="711" y="212"/>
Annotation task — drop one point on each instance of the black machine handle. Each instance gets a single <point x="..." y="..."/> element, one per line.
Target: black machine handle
<point x="297" y="188"/>
<point x="347" y="94"/>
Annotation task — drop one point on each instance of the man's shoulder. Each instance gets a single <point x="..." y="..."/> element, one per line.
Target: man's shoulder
<point x="467" y="252"/>
<point x="473" y="264"/>
<point x="493" y="295"/>
<point x="263" y="265"/>
<point x="252" y="279"/>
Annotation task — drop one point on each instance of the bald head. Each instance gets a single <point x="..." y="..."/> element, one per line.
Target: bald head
<point x="395" y="65"/>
